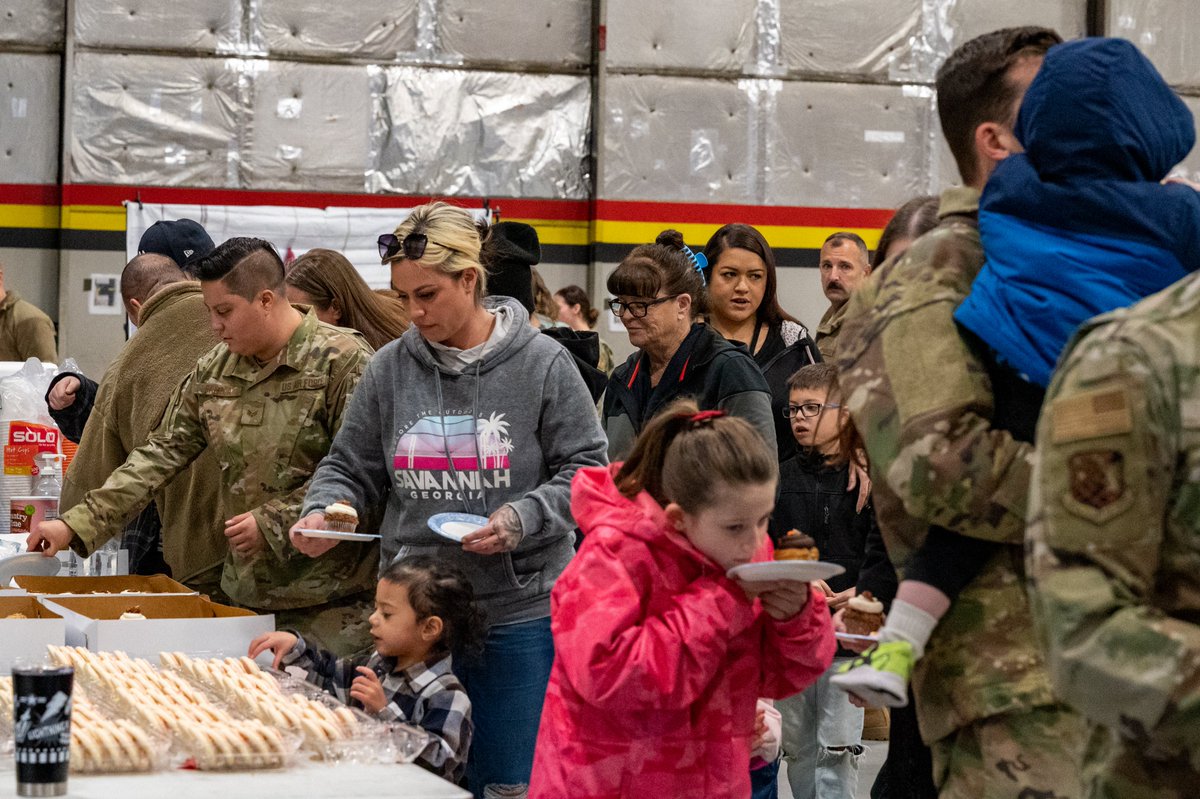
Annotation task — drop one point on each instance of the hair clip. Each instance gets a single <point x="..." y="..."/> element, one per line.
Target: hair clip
<point x="699" y="262"/>
<point x="705" y="416"/>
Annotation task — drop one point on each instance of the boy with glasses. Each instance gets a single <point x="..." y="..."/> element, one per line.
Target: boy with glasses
<point x="822" y="730"/>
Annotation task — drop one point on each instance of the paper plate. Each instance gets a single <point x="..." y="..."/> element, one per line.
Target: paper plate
<point x="863" y="639"/>
<point x="456" y="526"/>
<point x="335" y="535"/>
<point x="33" y="563"/>
<point x="803" y="570"/>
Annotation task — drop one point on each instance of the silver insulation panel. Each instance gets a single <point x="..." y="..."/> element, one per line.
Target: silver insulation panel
<point x="768" y="142"/>
<point x="29" y="118"/>
<point x="479" y="133"/>
<point x="211" y="26"/>
<point x="549" y="32"/>
<point x="308" y="128"/>
<point x="156" y="120"/>
<point x="32" y="22"/>
<point x="1166" y="31"/>
<point x="375" y="29"/>
<point x="676" y="34"/>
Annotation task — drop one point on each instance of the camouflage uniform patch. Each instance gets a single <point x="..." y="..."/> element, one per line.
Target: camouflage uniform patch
<point x="1114" y="542"/>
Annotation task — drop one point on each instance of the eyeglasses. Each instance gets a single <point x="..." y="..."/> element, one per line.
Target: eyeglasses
<point x="637" y="309"/>
<point x="808" y="410"/>
<point x="413" y="246"/>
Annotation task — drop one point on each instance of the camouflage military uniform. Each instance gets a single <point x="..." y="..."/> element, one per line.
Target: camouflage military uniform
<point x="1114" y="536"/>
<point x="829" y="328"/>
<point x="269" y="426"/>
<point x="921" y="398"/>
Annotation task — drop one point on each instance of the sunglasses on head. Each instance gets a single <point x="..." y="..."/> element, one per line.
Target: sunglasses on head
<point x="413" y="246"/>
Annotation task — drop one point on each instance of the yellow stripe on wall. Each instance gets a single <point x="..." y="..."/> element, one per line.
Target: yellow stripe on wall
<point x="29" y="216"/>
<point x="778" y="236"/>
<point x="94" y="217"/>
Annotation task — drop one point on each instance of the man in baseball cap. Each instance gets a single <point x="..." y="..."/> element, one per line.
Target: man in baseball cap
<point x="182" y="240"/>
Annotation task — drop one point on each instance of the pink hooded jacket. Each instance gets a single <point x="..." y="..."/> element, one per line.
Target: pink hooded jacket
<point x="659" y="660"/>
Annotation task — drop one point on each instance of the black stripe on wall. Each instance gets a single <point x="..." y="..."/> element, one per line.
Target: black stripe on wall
<point x="784" y="256"/>
<point x="30" y="238"/>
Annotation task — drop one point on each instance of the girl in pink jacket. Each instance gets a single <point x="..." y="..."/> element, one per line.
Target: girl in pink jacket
<point x="659" y="657"/>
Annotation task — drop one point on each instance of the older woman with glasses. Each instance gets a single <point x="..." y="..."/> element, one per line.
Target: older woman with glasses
<point x="659" y="290"/>
<point x="474" y="412"/>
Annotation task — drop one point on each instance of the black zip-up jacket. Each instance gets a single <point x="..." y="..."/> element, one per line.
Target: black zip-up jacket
<point x="707" y="368"/>
<point x="813" y="499"/>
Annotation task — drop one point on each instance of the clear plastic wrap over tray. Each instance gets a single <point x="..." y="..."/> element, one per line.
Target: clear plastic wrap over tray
<point x="205" y="734"/>
<point x="102" y="740"/>
<point x="328" y="729"/>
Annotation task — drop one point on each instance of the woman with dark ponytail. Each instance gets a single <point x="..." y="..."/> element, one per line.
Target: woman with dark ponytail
<point x="659" y="290"/>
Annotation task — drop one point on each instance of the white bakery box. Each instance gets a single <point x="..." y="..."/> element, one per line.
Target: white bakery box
<point x="123" y="585"/>
<point x="190" y="624"/>
<point x="27" y="638"/>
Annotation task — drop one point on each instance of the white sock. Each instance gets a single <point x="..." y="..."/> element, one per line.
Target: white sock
<point x="907" y="622"/>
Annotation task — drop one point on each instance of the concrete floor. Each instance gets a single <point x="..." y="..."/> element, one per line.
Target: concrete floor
<point x="868" y="767"/>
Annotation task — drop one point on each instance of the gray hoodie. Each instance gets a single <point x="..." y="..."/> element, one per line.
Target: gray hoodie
<point x="510" y="429"/>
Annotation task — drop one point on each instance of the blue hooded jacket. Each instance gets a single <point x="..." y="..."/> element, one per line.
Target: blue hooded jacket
<point x="1079" y="224"/>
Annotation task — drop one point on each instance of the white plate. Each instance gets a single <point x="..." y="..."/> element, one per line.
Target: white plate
<point x="31" y="563"/>
<point x="863" y="639"/>
<point x="335" y="535"/>
<point x="456" y="526"/>
<point x="803" y="570"/>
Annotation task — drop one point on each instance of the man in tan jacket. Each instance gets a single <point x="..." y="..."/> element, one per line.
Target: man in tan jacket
<point x="25" y="330"/>
<point x="173" y="333"/>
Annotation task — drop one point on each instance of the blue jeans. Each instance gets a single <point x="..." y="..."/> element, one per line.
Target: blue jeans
<point x="764" y="782"/>
<point x="506" y="685"/>
<point x="822" y="740"/>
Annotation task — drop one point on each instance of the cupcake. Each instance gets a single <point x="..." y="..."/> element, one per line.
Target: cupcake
<point x="340" y="517"/>
<point x="796" y="546"/>
<point x="132" y="612"/>
<point x="864" y="615"/>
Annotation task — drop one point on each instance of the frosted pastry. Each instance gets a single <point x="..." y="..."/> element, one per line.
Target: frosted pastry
<point x="796" y="546"/>
<point x="340" y="517"/>
<point x="864" y="614"/>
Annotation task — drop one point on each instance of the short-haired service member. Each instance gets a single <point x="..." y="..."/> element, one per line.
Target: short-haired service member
<point x="268" y="399"/>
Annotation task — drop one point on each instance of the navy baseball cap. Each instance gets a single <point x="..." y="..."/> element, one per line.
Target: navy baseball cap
<point x="182" y="240"/>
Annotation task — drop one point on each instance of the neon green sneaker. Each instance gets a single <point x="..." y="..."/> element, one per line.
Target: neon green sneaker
<point x="880" y="675"/>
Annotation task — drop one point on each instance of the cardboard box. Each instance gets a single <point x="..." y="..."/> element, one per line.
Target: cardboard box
<point x="27" y="638"/>
<point x="189" y="624"/>
<point x="125" y="585"/>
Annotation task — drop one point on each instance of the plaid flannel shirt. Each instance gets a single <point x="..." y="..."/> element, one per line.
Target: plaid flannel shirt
<point x="426" y="694"/>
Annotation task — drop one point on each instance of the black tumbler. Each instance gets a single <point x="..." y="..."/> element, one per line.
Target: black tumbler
<point x="42" y="728"/>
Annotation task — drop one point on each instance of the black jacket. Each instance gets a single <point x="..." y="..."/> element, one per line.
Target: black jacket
<point x="707" y="368"/>
<point x="71" y="420"/>
<point x="813" y="499"/>
<point x="778" y="361"/>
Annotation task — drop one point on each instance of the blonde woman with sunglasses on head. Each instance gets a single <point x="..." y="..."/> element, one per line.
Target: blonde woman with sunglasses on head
<point x="471" y="411"/>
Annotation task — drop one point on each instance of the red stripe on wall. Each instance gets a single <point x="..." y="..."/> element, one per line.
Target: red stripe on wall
<point x="29" y="194"/>
<point x="84" y="194"/>
<point x="786" y="216"/>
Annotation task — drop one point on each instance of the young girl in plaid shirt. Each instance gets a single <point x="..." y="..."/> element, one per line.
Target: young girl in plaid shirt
<point x="424" y="610"/>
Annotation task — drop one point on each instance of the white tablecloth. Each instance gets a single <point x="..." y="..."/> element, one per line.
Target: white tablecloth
<point x="311" y="781"/>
